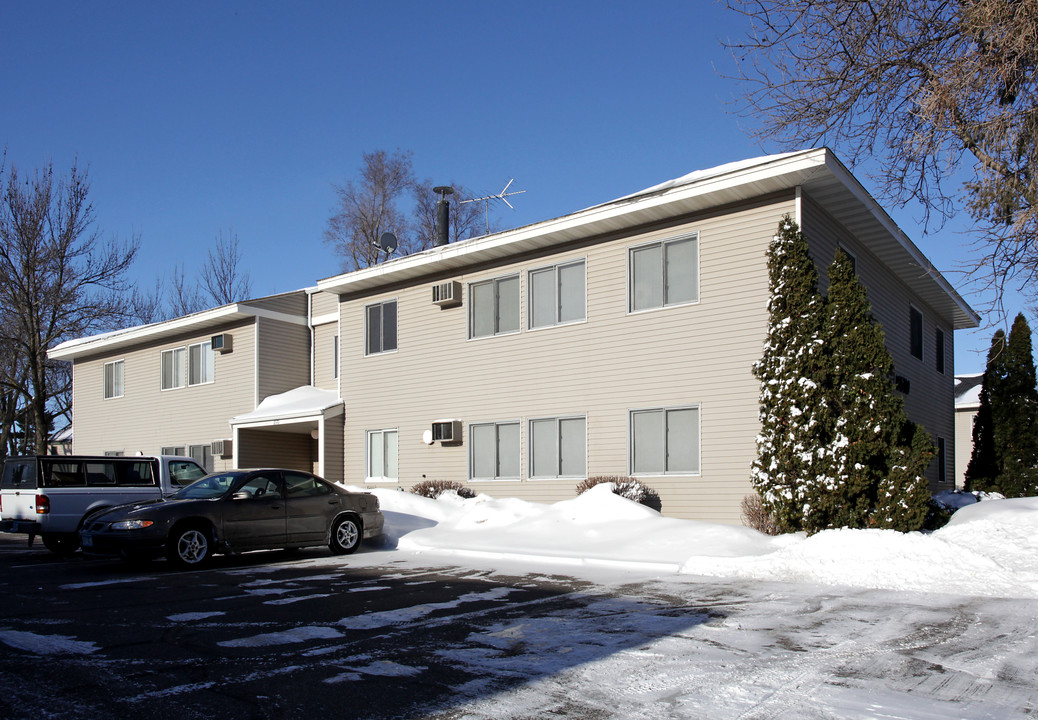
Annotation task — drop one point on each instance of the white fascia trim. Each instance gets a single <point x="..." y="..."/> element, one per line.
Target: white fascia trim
<point x="644" y="200"/>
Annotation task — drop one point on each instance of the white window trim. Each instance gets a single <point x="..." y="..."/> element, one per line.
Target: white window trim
<point x="661" y="242"/>
<point x="201" y="345"/>
<point x="472" y="307"/>
<point x="367" y="457"/>
<point x="530" y="448"/>
<point x="530" y="300"/>
<point x="665" y="473"/>
<point x="518" y="422"/>
<point x="172" y="352"/>
<point x="380" y="303"/>
<point x="104" y="379"/>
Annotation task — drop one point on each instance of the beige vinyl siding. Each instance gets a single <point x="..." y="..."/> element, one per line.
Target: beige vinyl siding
<point x="964" y="418"/>
<point x="293" y="303"/>
<point x="270" y="448"/>
<point x="283" y="357"/>
<point x="930" y="400"/>
<point x="614" y="362"/>
<point x="323" y="303"/>
<point x="324" y="353"/>
<point x="147" y="418"/>
<point x="333" y="460"/>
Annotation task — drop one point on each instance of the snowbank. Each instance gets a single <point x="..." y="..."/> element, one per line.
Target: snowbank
<point x="989" y="548"/>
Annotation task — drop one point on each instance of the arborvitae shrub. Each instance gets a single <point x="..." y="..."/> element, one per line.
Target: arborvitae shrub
<point x="627" y="487"/>
<point x="434" y="488"/>
<point x="754" y="515"/>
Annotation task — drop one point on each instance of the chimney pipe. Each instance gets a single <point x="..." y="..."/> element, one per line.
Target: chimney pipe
<point x="443" y="214"/>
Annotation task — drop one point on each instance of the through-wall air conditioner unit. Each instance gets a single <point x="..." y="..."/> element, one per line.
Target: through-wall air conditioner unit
<point x="446" y="431"/>
<point x="447" y="294"/>
<point x="221" y="448"/>
<point x="221" y="343"/>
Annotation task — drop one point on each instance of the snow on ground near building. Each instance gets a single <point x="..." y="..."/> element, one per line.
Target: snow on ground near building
<point x="988" y="548"/>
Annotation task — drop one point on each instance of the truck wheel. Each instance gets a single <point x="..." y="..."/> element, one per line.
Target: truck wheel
<point x="63" y="544"/>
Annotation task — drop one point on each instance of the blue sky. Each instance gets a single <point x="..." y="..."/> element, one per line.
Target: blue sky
<point x="196" y="118"/>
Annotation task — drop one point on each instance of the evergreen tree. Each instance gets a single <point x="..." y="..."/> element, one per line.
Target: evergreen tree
<point x="982" y="470"/>
<point x="789" y="375"/>
<point x="877" y="456"/>
<point x="1014" y="411"/>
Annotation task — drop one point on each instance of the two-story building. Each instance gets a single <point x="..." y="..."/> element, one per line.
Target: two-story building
<point x="617" y="340"/>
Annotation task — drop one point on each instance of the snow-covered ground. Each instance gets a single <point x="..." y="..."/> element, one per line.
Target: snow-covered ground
<point x="988" y="549"/>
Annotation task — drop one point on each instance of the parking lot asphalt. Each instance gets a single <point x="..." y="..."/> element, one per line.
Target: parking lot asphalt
<point x="263" y="635"/>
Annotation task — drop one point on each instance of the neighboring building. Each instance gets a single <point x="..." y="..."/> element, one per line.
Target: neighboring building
<point x="615" y="340"/>
<point x="171" y="387"/>
<point x="60" y="442"/>
<point x="967" y="403"/>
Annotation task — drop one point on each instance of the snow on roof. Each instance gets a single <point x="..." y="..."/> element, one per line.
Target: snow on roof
<point x="967" y="390"/>
<point x="699" y="175"/>
<point x="305" y="401"/>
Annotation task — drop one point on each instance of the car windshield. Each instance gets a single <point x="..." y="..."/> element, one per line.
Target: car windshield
<point x="211" y="486"/>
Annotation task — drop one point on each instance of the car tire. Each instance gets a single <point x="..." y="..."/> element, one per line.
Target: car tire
<point x="345" y="535"/>
<point x="189" y="546"/>
<point x="64" y="544"/>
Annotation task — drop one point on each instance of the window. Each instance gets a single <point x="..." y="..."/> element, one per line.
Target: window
<point x="202" y="454"/>
<point x="494" y="307"/>
<point x="113" y="379"/>
<point x="494" y="451"/>
<point x="178" y="450"/>
<point x="942" y="461"/>
<point x="382" y="455"/>
<point x="174" y="368"/>
<point x="299" y="484"/>
<point x="380" y="320"/>
<point x="939" y="351"/>
<point x="335" y="356"/>
<point x="558" y="447"/>
<point x="557" y="295"/>
<point x="665" y="441"/>
<point x="200" y="360"/>
<point x="915" y="319"/>
<point x="664" y="273"/>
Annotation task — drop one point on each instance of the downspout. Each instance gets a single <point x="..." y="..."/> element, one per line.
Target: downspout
<point x="313" y="335"/>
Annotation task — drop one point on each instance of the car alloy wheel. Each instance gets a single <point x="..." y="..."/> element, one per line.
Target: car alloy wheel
<point x="345" y="537"/>
<point x="190" y="548"/>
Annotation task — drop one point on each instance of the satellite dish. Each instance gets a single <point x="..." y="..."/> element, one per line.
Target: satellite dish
<point x="427" y="437"/>
<point x="387" y="243"/>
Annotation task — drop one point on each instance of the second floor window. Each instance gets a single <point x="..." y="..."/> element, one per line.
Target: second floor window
<point x="174" y="368"/>
<point x="494" y="309"/>
<point x="915" y="329"/>
<point x="114" y="379"/>
<point x="380" y="330"/>
<point x="939" y="351"/>
<point x="200" y="363"/>
<point x="557" y="295"/>
<point x="664" y="273"/>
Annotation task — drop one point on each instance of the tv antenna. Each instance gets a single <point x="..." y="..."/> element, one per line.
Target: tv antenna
<point x="502" y="196"/>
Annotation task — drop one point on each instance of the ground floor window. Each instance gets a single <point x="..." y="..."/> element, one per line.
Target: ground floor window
<point x="558" y="447"/>
<point x="202" y="454"/>
<point x="494" y="451"/>
<point x="664" y="441"/>
<point x="382" y="455"/>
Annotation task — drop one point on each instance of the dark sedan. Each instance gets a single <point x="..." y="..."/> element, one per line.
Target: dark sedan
<point x="233" y="512"/>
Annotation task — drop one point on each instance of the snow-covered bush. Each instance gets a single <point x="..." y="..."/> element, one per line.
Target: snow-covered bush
<point x="754" y="515"/>
<point x="627" y="487"/>
<point x="434" y="488"/>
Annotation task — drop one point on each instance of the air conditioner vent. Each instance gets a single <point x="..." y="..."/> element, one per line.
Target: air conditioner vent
<point x="446" y="431"/>
<point x="221" y="343"/>
<point x="447" y="294"/>
<point x="221" y="448"/>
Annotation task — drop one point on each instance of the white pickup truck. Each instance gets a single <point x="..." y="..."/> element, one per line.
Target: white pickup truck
<point x="49" y="495"/>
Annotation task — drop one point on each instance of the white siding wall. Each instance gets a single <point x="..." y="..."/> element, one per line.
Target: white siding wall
<point x="698" y="354"/>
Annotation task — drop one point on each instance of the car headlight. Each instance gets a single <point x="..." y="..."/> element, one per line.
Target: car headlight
<point x="132" y="524"/>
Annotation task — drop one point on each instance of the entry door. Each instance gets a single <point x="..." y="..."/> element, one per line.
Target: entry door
<point x="257" y="520"/>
